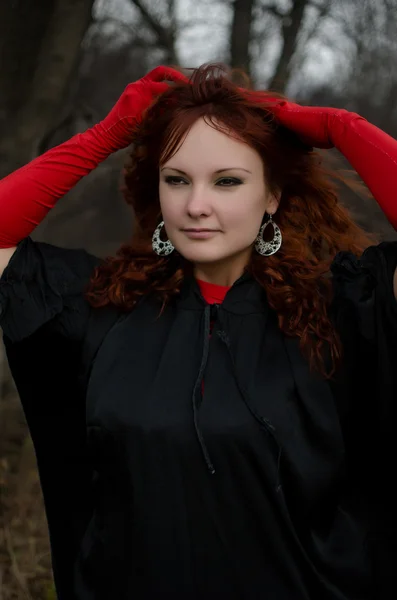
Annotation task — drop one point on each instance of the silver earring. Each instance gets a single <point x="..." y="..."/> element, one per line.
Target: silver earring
<point x="159" y="247"/>
<point x="268" y="248"/>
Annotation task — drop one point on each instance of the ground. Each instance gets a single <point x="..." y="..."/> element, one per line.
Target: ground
<point x="25" y="562"/>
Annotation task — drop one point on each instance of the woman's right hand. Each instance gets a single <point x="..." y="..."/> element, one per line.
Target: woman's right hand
<point x="26" y="195"/>
<point x="118" y="126"/>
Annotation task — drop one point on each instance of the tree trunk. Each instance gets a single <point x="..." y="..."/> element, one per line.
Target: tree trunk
<point x="36" y="90"/>
<point x="240" y="36"/>
<point x="291" y="25"/>
<point x="21" y="27"/>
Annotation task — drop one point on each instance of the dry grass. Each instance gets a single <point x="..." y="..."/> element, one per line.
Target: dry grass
<point x="25" y="562"/>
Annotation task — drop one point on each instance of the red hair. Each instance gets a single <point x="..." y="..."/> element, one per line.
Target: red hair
<point x="314" y="225"/>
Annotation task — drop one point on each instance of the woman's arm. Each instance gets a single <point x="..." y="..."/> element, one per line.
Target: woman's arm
<point x="26" y="195"/>
<point x="5" y="257"/>
<point x="370" y="151"/>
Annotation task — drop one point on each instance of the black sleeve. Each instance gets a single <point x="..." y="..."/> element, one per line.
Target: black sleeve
<point x="365" y="313"/>
<point x="365" y="310"/>
<point x="364" y="288"/>
<point x="44" y="285"/>
<point x="44" y="318"/>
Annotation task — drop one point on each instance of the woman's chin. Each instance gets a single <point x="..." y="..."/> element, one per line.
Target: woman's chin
<point x="201" y="255"/>
<point x="204" y="260"/>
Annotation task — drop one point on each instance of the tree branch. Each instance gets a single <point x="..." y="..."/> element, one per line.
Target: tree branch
<point x="128" y="27"/>
<point x="323" y="11"/>
<point x="290" y="29"/>
<point x="274" y="10"/>
<point x="154" y="24"/>
<point x="165" y="35"/>
<point x="320" y="7"/>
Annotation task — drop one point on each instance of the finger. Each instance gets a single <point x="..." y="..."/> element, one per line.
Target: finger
<point x="162" y="73"/>
<point x="262" y="97"/>
<point x="158" y="88"/>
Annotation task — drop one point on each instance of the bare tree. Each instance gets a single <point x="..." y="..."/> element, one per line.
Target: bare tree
<point x="371" y="84"/>
<point x="259" y="25"/>
<point x="291" y="23"/>
<point x="36" y="81"/>
<point x="160" y="18"/>
<point x="241" y="34"/>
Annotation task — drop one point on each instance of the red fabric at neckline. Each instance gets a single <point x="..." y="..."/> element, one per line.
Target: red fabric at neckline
<point x="212" y="292"/>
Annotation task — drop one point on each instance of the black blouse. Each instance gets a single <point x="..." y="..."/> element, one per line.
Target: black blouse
<point x="273" y="484"/>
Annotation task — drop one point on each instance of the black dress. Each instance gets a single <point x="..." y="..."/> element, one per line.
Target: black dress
<point x="275" y="484"/>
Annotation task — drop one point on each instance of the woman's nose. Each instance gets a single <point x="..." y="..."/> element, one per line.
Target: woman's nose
<point x="198" y="202"/>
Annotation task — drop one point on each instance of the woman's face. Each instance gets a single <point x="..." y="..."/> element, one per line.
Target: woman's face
<point x="213" y="197"/>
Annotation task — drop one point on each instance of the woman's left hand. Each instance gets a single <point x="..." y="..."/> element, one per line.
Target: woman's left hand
<point x="316" y="126"/>
<point x="370" y="151"/>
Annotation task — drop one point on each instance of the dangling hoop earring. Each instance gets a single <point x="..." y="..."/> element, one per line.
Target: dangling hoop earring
<point x="268" y="248"/>
<point x="159" y="247"/>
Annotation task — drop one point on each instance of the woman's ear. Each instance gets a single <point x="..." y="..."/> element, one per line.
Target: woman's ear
<point x="273" y="202"/>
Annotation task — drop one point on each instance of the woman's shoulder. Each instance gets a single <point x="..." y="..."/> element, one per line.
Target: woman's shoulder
<point x="53" y="259"/>
<point x="364" y="286"/>
<point x="373" y="269"/>
<point x="44" y="284"/>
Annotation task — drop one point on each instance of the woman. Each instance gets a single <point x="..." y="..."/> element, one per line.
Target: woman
<point x="236" y="436"/>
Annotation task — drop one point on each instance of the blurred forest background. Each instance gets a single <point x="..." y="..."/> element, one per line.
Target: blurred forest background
<point x="64" y="63"/>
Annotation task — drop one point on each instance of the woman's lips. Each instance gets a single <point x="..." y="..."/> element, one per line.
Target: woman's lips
<point x="200" y="233"/>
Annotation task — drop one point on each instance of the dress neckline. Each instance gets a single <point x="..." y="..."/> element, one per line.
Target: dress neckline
<point x="213" y="293"/>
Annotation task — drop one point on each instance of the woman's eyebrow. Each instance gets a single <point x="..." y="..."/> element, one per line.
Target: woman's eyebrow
<point x="218" y="171"/>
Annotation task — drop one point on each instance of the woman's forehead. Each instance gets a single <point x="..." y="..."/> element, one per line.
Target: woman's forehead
<point x="206" y="146"/>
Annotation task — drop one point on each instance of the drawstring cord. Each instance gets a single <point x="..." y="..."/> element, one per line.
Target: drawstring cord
<point x="197" y="393"/>
<point x="265" y="424"/>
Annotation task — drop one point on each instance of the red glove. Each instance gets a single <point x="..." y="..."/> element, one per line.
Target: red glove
<point x="26" y="195"/>
<point x="369" y="150"/>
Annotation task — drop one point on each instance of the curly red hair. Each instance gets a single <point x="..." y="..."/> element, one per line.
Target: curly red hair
<point x="314" y="225"/>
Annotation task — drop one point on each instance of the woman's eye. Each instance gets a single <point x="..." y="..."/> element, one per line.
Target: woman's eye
<point x="174" y="180"/>
<point x="229" y="182"/>
<point x="224" y="182"/>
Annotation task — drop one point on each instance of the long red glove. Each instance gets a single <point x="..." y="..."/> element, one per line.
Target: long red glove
<point x="370" y="151"/>
<point x="27" y="194"/>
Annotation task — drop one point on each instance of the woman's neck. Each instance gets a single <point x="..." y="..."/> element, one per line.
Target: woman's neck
<point x="219" y="274"/>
